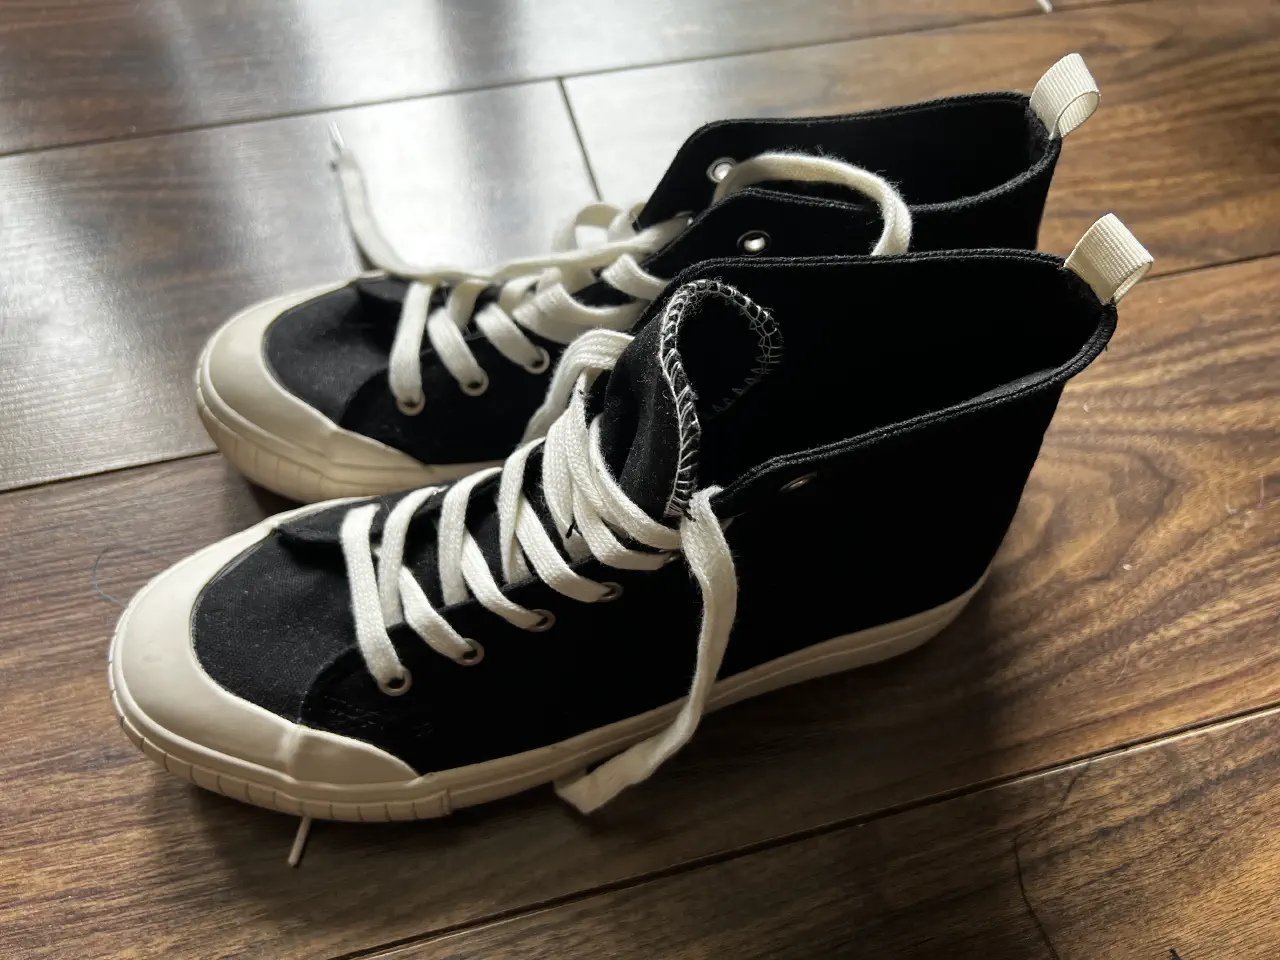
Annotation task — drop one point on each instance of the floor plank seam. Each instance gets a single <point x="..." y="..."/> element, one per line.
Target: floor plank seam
<point x="1017" y="859"/>
<point x="212" y="451"/>
<point x="1088" y="762"/>
<point x="108" y="471"/>
<point x="1033" y="11"/>
<point x="287" y="115"/>
<point x="578" y="138"/>
<point x="1080" y="764"/>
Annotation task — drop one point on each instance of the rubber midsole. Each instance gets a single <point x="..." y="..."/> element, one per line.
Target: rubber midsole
<point x="490" y="780"/>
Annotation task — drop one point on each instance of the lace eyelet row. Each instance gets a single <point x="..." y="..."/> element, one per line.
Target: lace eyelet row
<point x="399" y="686"/>
<point x="473" y="388"/>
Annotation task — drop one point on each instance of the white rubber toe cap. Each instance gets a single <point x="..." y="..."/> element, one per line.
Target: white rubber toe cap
<point x="240" y="397"/>
<point x="164" y="693"/>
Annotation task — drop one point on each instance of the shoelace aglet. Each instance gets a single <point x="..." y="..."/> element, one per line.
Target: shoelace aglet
<point x="335" y="140"/>
<point x="300" y="841"/>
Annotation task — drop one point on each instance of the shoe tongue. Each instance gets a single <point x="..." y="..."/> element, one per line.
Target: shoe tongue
<point x="710" y="345"/>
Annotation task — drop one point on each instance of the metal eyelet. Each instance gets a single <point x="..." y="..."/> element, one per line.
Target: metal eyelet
<point x="472" y="656"/>
<point x="397" y="686"/>
<point x="541" y="364"/>
<point x="473" y="388"/>
<point x="411" y="409"/>
<point x="719" y="169"/>
<point x="797" y="483"/>
<point x="546" y="621"/>
<point x="754" y="242"/>
<point x="612" y="592"/>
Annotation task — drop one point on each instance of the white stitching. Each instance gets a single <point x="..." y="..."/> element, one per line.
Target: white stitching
<point x="768" y="355"/>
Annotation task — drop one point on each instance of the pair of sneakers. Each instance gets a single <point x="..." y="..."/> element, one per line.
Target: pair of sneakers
<point x="744" y="441"/>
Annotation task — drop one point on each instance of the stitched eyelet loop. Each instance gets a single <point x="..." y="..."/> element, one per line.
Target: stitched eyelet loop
<point x="541" y="364"/>
<point x="754" y="242"/>
<point x="546" y="621"/>
<point x="411" y="408"/>
<point x="472" y="656"/>
<point x="719" y="169"/>
<point x="397" y="686"/>
<point x="801" y="481"/>
<point x="473" y="388"/>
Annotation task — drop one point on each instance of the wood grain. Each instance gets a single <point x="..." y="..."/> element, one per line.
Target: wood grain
<point x="176" y="64"/>
<point x="1138" y="593"/>
<point x="118" y="260"/>
<point x="1160" y="852"/>
<point x="1185" y="147"/>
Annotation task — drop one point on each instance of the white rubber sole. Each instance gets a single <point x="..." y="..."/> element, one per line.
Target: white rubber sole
<point x="438" y="794"/>
<point x="294" y="471"/>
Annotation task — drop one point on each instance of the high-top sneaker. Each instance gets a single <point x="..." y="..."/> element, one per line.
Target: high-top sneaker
<point x="777" y="431"/>
<point x="417" y="374"/>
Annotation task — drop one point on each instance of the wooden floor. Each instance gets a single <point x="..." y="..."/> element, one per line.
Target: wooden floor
<point x="1087" y="765"/>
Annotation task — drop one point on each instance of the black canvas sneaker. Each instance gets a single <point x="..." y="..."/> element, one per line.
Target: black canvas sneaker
<point x="796" y="467"/>
<point x="418" y="375"/>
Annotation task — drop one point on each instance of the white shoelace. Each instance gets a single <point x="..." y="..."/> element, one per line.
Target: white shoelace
<point x="588" y="508"/>
<point x="583" y="498"/>
<point x="535" y="294"/>
<point x="555" y="314"/>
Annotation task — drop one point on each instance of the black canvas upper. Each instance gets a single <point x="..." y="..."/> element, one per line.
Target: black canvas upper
<point x="942" y="153"/>
<point x="915" y="390"/>
<point x="974" y="170"/>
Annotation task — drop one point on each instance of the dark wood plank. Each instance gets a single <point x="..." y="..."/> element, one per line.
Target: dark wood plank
<point x="1152" y="854"/>
<point x="117" y="260"/>
<point x="79" y="70"/>
<point x="1185" y="148"/>
<point x="1138" y="592"/>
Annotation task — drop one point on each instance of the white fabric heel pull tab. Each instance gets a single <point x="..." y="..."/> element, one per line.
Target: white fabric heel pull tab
<point x="1109" y="258"/>
<point x="1066" y="95"/>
